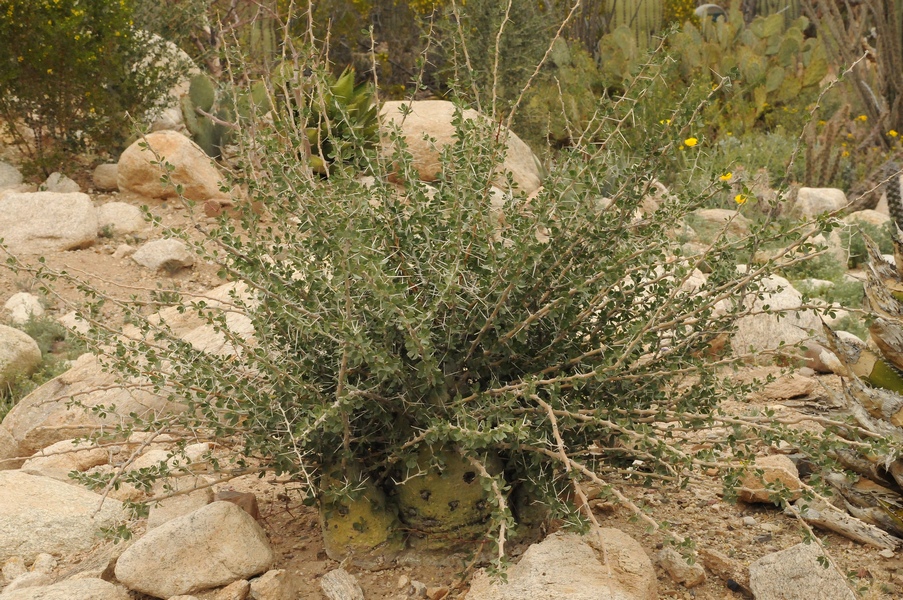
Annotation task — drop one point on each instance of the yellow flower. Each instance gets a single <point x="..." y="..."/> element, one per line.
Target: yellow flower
<point x="690" y="142"/>
<point x="893" y="133"/>
<point x="50" y="71"/>
<point x="741" y="199"/>
<point x="862" y="118"/>
<point x="726" y="177"/>
<point x="844" y="153"/>
<point x="665" y="122"/>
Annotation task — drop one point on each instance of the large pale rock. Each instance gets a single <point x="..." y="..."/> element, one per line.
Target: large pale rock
<point x="679" y="569"/>
<point x="210" y="547"/>
<point x="120" y="218"/>
<point x="796" y="574"/>
<point x="190" y="500"/>
<point x="192" y="168"/>
<point x="105" y="177"/>
<point x="59" y="459"/>
<point x="19" y="354"/>
<point x="43" y="417"/>
<point x="811" y="202"/>
<point x="566" y="566"/>
<point x="760" y="332"/>
<point x="10" y="176"/>
<point x="867" y="217"/>
<point x="170" y="255"/>
<point x="38" y="514"/>
<point x="716" y="220"/>
<point x="8" y="450"/>
<point x="41" y="222"/>
<point x="778" y="471"/>
<point x="433" y="118"/>
<point x="59" y="183"/>
<point x="71" y="589"/>
<point x="22" y="307"/>
<point x="277" y="584"/>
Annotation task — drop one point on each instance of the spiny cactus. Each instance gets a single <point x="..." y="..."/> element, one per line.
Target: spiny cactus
<point x="202" y="99"/>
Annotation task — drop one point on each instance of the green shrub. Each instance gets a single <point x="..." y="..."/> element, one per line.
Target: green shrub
<point x="76" y="74"/>
<point x="499" y="354"/>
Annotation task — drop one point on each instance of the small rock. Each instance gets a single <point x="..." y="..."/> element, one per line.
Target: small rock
<point x="19" y="354"/>
<point x="210" y="547"/>
<point x="775" y="469"/>
<point x="59" y="183"/>
<point x="770" y="527"/>
<point x="123" y="251"/>
<point x="749" y="521"/>
<point x="28" y="580"/>
<point x="58" y="460"/>
<point x="10" y="176"/>
<point x="403" y="582"/>
<point x="277" y="584"/>
<point x="119" y="218"/>
<point x="182" y="504"/>
<point x="339" y="584"/>
<point x="169" y="254"/>
<point x="437" y="592"/>
<point x="139" y="169"/>
<point x="244" y="500"/>
<point x="43" y="563"/>
<point x="71" y="321"/>
<point x="237" y="590"/>
<point x="796" y="573"/>
<point x="104" y="177"/>
<point x="679" y="569"/>
<point x="418" y="589"/>
<point x="184" y="597"/>
<point x="886" y="553"/>
<point x="23" y="307"/>
<point x="14" y="566"/>
<point x="811" y="202"/>
<point x="790" y="386"/>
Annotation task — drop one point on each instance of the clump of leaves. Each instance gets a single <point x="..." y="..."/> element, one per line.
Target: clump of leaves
<point x="75" y="75"/>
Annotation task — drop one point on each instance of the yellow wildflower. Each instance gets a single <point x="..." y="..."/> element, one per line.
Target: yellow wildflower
<point x="741" y="199"/>
<point x="690" y="142"/>
<point x="862" y="118"/>
<point x="844" y="153"/>
<point x="726" y="177"/>
<point x="893" y="133"/>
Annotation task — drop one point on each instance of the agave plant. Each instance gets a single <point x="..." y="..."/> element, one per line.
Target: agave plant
<point x="339" y="121"/>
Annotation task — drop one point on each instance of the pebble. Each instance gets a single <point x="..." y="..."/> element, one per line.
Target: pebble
<point x="887" y="553"/>
<point x="403" y="581"/>
<point x="749" y="521"/>
<point x="772" y="527"/>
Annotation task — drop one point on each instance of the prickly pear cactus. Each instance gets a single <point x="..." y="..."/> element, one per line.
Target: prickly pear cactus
<point x="446" y="506"/>
<point x="356" y="519"/>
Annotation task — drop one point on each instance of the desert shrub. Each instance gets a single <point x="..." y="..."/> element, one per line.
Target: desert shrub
<point x="531" y="345"/>
<point x="75" y="74"/>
